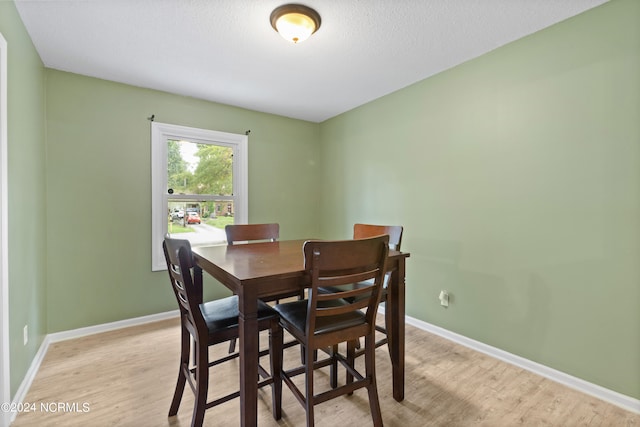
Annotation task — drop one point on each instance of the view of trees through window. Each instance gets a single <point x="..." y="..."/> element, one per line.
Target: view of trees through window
<point x="200" y="190"/>
<point x="200" y="168"/>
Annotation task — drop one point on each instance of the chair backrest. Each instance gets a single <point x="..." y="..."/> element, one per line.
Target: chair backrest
<point x="249" y="232"/>
<point x="361" y="231"/>
<point x="331" y="264"/>
<point x="186" y="286"/>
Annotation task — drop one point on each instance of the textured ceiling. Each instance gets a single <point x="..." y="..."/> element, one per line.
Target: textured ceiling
<point x="226" y="51"/>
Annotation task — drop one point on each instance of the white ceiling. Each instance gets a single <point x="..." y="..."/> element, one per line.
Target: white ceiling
<point x="226" y="51"/>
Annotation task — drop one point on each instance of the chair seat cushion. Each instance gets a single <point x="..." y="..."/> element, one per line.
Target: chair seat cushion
<point x="295" y="314"/>
<point x="223" y="313"/>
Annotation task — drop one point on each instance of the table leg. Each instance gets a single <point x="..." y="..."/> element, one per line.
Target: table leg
<point x="248" y="327"/>
<point x="396" y="309"/>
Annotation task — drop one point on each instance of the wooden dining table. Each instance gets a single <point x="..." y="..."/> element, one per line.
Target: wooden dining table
<point x="260" y="270"/>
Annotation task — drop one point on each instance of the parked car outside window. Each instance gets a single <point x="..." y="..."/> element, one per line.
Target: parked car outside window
<point x="193" y="218"/>
<point x="177" y="214"/>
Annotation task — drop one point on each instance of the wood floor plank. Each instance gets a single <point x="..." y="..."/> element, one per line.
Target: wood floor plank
<point x="127" y="377"/>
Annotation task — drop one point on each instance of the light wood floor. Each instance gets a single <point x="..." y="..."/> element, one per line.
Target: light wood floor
<point x="127" y="378"/>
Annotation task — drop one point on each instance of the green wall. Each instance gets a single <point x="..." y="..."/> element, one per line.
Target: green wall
<point x="517" y="178"/>
<point x="99" y="191"/>
<point x="26" y="193"/>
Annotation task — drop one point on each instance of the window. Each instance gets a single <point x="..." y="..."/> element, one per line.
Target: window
<point x="199" y="184"/>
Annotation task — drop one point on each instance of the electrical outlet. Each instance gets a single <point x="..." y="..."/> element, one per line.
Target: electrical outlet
<point x="26" y="334"/>
<point x="444" y="298"/>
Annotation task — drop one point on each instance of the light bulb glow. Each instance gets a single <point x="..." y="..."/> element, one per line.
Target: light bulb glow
<point x="295" y="27"/>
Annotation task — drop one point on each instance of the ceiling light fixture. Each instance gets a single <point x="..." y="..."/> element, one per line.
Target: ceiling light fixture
<point x="295" y="22"/>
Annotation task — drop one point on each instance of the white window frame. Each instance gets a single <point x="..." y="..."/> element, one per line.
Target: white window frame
<point x="161" y="133"/>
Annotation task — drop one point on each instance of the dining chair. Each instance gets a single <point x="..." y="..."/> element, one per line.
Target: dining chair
<point x="212" y="323"/>
<point x="251" y="233"/>
<point x="362" y="231"/>
<point x="328" y="319"/>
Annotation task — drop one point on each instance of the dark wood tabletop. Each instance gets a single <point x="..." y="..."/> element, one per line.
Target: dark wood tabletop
<point x="259" y="270"/>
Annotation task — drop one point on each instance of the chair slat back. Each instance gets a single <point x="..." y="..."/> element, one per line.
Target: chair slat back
<point x="335" y="263"/>
<point x="361" y="231"/>
<point x="251" y="232"/>
<point x="186" y="286"/>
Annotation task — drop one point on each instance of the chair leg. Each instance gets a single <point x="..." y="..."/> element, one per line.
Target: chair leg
<point x="303" y="353"/>
<point x="232" y="345"/>
<point x="309" y="388"/>
<point x="333" y="370"/>
<point x="184" y="366"/>
<point x="202" y="383"/>
<point x="370" y="372"/>
<point x="276" y="347"/>
<point x="351" y="357"/>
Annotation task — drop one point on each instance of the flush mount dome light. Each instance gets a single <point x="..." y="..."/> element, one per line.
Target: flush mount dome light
<point x="295" y="22"/>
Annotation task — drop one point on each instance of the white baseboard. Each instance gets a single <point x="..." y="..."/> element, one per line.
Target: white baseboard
<point x="28" y="378"/>
<point x="626" y="402"/>
<point x="112" y="326"/>
<point x="21" y="393"/>
<point x="623" y="401"/>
